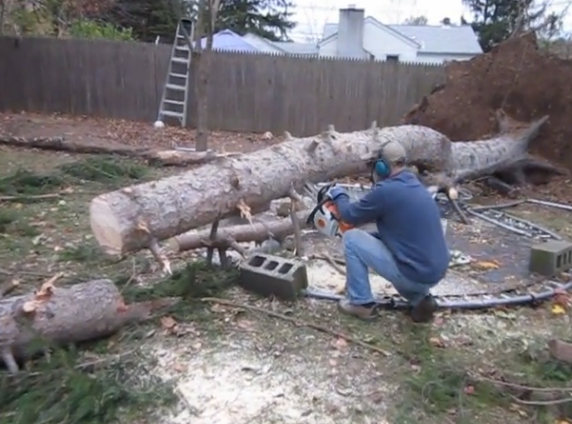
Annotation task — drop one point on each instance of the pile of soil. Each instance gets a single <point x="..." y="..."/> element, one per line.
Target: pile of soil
<point x="519" y="78"/>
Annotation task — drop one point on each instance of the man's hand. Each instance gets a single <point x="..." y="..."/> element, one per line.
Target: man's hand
<point x="335" y="192"/>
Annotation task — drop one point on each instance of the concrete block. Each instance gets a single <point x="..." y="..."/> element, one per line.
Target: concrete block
<point x="269" y="275"/>
<point x="550" y="258"/>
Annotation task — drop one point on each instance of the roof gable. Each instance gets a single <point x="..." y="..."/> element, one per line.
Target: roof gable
<point x="229" y="40"/>
<point x="332" y="30"/>
<point x="428" y="38"/>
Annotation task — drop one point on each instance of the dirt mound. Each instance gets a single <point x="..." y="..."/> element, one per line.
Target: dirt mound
<point x="515" y="76"/>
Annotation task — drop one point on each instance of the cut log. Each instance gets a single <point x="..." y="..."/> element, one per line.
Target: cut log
<point x="258" y="232"/>
<point x="134" y="218"/>
<point x="152" y="156"/>
<point x="62" y="315"/>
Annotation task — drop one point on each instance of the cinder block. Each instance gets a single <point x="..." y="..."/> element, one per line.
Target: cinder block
<point x="550" y="258"/>
<point x="269" y="275"/>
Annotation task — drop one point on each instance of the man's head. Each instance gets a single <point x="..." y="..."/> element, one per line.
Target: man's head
<point x="392" y="160"/>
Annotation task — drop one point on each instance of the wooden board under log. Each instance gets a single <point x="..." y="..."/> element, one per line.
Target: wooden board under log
<point x="257" y="232"/>
<point x="62" y="315"/>
<point x="136" y="217"/>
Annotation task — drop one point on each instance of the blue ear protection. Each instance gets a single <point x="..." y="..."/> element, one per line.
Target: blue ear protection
<point x="382" y="168"/>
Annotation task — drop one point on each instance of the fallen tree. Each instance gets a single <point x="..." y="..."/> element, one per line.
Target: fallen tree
<point x="63" y="315"/>
<point x="172" y="157"/>
<point x="138" y="217"/>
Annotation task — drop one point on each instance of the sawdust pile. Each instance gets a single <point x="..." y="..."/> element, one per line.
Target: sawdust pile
<point x="525" y="81"/>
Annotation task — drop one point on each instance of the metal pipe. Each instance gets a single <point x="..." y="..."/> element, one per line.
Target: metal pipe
<point x="497" y="207"/>
<point x="550" y="204"/>
<point x="498" y="223"/>
<point x="533" y="225"/>
<point x="443" y="302"/>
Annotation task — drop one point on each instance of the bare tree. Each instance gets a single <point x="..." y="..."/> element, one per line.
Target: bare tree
<point x="204" y="27"/>
<point x="317" y="16"/>
<point x="416" y="20"/>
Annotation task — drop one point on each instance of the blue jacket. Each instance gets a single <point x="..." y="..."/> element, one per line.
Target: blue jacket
<point x="408" y="222"/>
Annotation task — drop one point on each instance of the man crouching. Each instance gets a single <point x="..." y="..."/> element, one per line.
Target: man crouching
<point x="409" y="248"/>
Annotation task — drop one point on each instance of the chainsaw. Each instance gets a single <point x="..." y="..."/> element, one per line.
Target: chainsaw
<point x="325" y="217"/>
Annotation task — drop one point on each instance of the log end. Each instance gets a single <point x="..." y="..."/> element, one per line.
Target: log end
<point x="105" y="227"/>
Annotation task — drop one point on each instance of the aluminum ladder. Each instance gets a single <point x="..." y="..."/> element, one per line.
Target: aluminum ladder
<point x="176" y="90"/>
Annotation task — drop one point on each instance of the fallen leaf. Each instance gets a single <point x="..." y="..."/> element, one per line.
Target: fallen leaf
<point x="168" y="323"/>
<point x="340" y="343"/>
<point x="469" y="390"/>
<point x="558" y="309"/>
<point x="437" y="342"/>
<point x="180" y="367"/>
<point x="487" y="264"/>
<point x="245" y="324"/>
<point x="333" y="362"/>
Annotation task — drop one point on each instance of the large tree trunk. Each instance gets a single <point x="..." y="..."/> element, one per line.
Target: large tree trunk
<point x="63" y="315"/>
<point x="133" y="218"/>
<point x="137" y="217"/>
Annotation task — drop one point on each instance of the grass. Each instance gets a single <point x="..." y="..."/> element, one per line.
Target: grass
<point x="435" y="375"/>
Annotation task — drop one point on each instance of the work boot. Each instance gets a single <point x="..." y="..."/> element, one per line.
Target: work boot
<point x="365" y="312"/>
<point x="424" y="310"/>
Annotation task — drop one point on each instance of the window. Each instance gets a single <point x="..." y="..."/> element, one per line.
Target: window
<point x="392" y="58"/>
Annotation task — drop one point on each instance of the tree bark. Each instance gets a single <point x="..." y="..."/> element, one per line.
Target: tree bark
<point x="152" y="156"/>
<point x="133" y="218"/>
<point x="258" y="232"/>
<point x="63" y="315"/>
<point x="136" y="217"/>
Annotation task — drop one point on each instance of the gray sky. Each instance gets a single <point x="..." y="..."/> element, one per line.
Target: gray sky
<point x="311" y="15"/>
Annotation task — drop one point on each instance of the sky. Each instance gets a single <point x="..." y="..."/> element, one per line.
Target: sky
<point x="311" y="15"/>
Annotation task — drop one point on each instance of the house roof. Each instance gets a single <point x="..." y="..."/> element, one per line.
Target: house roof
<point x="296" y="48"/>
<point x="430" y="38"/>
<point x="229" y="40"/>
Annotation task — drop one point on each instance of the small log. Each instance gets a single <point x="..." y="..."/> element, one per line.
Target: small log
<point x="153" y="156"/>
<point x="257" y="232"/>
<point x="63" y="315"/>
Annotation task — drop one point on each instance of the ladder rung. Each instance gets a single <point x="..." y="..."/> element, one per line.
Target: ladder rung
<point x="179" y="60"/>
<point x="173" y="74"/>
<point x="175" y="87"/>
<point x="183" y="48"/>
<point x="174" y="102"/>
<point x="172" y="114"/>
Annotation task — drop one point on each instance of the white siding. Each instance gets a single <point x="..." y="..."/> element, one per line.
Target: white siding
<point x="329" y="48"/>
<point x="381" y="42"/>
<point x="440" y="58"/>
<point x="378" y="42"/>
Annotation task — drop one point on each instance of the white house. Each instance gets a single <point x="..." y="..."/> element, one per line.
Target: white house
<point x="356" y="36"/>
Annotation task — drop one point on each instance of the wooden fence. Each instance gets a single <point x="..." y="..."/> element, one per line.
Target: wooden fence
<point x="247" y="92"/>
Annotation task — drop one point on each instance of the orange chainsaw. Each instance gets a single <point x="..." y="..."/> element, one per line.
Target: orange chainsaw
<point x="325" y="217"/>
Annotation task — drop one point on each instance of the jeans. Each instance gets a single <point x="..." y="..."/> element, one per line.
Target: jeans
<point x="363" y="251"/>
